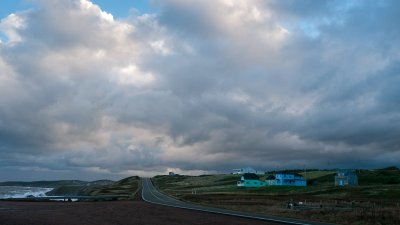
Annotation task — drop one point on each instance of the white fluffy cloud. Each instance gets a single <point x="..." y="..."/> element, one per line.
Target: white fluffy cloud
<point x="199" y="86"/>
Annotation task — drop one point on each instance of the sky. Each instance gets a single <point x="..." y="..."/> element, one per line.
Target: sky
<point x="108" y="89"/>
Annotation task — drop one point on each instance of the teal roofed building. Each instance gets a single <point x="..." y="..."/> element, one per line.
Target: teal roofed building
<point x="250" y="180"/>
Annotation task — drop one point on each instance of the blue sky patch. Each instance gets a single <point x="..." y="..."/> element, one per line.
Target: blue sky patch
<point x="121" y="8"/>
<point x="10" y="6"/>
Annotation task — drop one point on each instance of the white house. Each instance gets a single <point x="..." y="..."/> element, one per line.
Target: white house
<point x="246" y="170"/>
<point x="290" y="179"/>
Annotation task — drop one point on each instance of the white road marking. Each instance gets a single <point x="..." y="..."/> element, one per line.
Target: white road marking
<point x="149" y="189"/>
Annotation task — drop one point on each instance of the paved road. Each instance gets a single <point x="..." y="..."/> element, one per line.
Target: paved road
<point x="152" y="195"/>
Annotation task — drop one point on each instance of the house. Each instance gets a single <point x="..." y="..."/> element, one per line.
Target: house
<point x="246" y="170"/>
<point x="270" y="180"/>
<point x="290" y="179"/>
<point x="250" y="180"/>
<point x="346" y="177"/>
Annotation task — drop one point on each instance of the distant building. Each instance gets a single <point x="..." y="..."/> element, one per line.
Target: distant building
<point x="171" y="174"/>
<point x="246" y="170"/>
<point x="270" y="180"/>
<point x="346" y="177"/>
<point x="290" y="179"/>
<point x="250" y="180"/>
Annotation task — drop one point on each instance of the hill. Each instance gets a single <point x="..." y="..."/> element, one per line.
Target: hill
<point x="126" y="186"/>
<point x="375" y="199"/>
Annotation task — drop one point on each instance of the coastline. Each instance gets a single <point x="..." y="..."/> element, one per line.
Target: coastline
<point x="11" y="192"/>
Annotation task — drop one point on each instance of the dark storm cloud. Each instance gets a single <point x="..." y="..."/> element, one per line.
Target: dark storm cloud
<point x="204" y="86"/>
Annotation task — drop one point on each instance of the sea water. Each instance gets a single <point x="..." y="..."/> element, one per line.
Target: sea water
<point x="22" y="192"/>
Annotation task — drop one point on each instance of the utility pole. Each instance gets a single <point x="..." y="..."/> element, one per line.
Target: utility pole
<point x="305" y="173"/>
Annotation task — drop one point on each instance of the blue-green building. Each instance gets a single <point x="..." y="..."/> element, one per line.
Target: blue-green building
<point x="250" y="180"/>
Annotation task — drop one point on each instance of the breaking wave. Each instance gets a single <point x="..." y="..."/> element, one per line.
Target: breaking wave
<point x="22" y="192"/>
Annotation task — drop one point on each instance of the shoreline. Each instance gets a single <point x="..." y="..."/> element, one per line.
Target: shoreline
<point x="15" y="192"/>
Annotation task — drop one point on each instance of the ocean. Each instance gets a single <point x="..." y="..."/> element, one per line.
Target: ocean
<point x="22" y="192"/>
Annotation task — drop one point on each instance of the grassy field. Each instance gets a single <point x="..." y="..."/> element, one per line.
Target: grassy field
<point x="375" y="201"/>
<point x="201" y="184"/>
<point x="127" y="186"/>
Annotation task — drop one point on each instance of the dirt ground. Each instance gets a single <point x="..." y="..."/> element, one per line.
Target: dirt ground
<point x="108" y="213"/>
<point x="332" y="211"/>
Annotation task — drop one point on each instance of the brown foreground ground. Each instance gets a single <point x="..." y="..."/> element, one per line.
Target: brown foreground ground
<point x="335" y="212"/>
<point x="108" y="213"/>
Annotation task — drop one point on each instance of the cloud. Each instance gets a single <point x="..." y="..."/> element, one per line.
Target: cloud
<point x="205" y="86"/>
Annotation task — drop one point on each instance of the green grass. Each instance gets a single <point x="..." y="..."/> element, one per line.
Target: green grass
<point x="378" y="184"/>
<point x="374" y="201"/>
<point x="208" y="183"/>
<point x="312" y="175"/>
<point x="127" y="186"/>
<point x="366" y="177"/>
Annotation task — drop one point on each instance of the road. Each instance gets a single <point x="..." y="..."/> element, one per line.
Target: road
<point x="152" y="195"/>
<point x="150" y="208"/>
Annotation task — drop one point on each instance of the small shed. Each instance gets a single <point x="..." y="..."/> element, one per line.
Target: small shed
<point x="346" y="177"/>
<point x="244" y="170"/>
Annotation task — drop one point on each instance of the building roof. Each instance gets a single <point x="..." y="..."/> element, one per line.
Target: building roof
<point x="250" y="176"/>
<point x="289" y="173"/>
<point x="345" y="172"/>
<point x="271" y="177"/>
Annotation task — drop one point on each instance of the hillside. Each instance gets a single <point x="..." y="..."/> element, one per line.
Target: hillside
<point x="376" y="197"/>
<point x="125" y="186"/>
<point x="382" y="184"/>
<point x="203" y="183"/>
